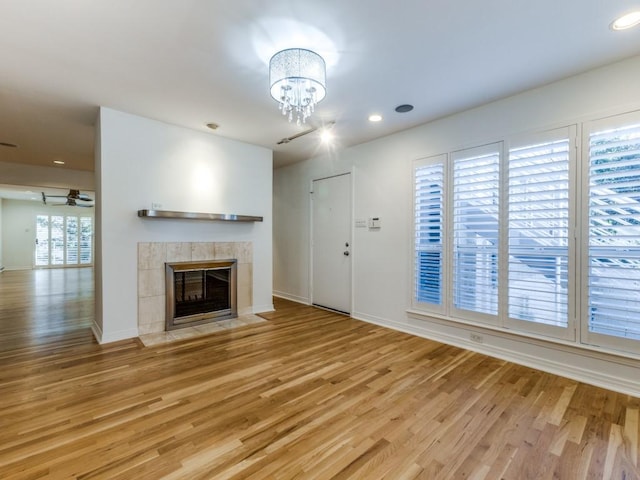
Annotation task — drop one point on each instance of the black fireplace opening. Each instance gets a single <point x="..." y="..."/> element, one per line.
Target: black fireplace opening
<point x="200" y="292"/>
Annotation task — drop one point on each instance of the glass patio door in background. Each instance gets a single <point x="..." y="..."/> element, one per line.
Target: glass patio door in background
<point x="63" y="240"/>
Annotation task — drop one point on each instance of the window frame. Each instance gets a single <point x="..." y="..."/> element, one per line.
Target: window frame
<point x="523" y="326"/>
<point x="588" y="337"/>
<point x="486" y="149"/>
<point x="444" y="291"/>
<point x="64" y="250"/>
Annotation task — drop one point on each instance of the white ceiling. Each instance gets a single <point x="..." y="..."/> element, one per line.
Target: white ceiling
<point x="191" y="62"/>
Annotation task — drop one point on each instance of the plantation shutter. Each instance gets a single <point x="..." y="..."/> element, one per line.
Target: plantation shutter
<point x="86" y="240"/>
<point x="71" y="224"/>
<point x="538" y="234"/>
<point x="476" y="229"/>
<point x="428" y="241"/>
<point x="614" y="232"/>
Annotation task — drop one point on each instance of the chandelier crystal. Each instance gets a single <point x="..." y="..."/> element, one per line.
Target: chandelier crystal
<point x="298" y="82"/>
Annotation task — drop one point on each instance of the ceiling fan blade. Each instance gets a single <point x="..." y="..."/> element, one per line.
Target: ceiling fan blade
<point x="71" y="197"/>
<point x="70" y="205"/>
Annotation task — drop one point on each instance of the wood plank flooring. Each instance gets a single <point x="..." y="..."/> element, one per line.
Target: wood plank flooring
<point x="41" y="306"/>
<point x="307" y="395"/>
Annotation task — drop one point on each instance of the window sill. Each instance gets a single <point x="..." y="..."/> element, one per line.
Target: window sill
<point x="594" y="351"/>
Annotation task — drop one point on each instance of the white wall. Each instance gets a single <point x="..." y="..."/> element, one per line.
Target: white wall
<point x="18" y="233"/>
<point x="382" y="187"/>
<point x="141" y="161"/>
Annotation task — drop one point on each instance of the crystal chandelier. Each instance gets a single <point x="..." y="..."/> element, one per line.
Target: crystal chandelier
<point x="298" y="82"/>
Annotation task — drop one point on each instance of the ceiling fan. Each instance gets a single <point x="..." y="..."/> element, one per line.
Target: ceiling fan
<point x="72" y="199"/>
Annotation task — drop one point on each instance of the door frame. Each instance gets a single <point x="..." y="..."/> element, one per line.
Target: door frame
<point x="351" y="173"/>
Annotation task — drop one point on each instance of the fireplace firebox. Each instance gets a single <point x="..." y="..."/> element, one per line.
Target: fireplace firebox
<point x="200" y="292"/>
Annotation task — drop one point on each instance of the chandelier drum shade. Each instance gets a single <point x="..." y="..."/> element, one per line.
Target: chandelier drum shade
<point x="298" y="82"/>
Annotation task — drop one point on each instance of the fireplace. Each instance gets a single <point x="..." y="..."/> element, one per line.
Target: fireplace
<point x="200" y="292"/>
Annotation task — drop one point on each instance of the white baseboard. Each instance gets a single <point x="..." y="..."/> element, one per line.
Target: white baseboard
<point x="103" y="338"/>
<point x="263" y="308"/>
<point x="293" y="298"/>
<point x="583" y="367"/>
<point x="97" y="332"/>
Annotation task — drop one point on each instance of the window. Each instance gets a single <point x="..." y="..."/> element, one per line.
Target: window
<point x="476" y="229"/>
<point x="613" y="232"/>
<point x="537" y="242"/>
<point x="428" y="241"/>
<point x="525" y="240"/>
<point x="538" y="234"/>
<point x="86" y="240"/>
<point x="63" y="240"/>
<point x="72" y="241"/>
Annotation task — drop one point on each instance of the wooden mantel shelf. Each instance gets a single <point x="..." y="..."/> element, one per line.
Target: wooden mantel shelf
<point x="225" y="217"/>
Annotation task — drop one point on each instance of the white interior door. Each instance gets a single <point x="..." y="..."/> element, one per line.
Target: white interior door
<point x="331" y="243"/>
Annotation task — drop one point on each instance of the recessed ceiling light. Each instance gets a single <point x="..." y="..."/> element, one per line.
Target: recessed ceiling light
<point x="404" y="108"/>
<point x="375" y="117"/>
<point x="626" y="21"/>
<point x="212" y="126"/>
<point x="7" y="144"/>
<point x="58" y="162"/>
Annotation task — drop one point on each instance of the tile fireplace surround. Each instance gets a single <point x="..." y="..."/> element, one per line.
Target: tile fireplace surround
<point x="151" y="275"/>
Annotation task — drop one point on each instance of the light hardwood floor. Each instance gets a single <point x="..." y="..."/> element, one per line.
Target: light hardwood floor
<point x="308" y="395"/>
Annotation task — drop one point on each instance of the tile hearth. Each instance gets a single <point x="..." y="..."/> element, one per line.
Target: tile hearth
<point x="160" y="338"/>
